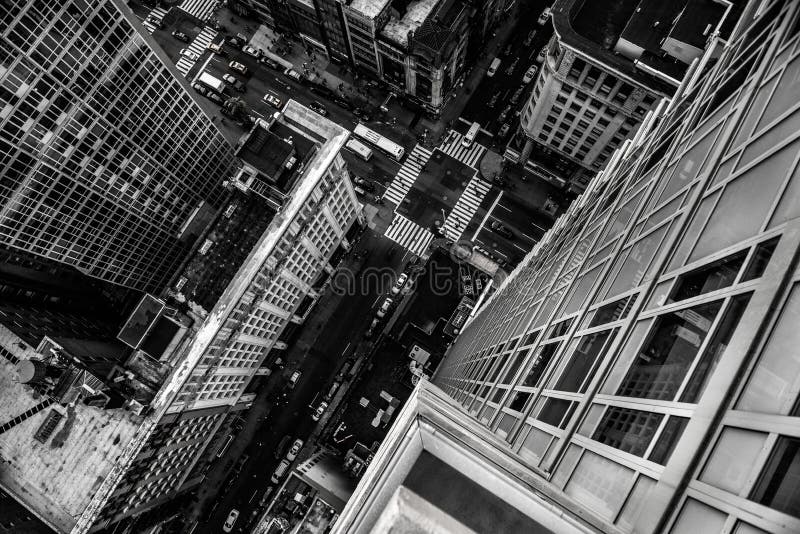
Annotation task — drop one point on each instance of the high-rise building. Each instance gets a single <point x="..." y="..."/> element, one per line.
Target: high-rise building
<point x="109" y="422"/>
<point x="638" y="371"/>
<point x="589" y="96"/>
<point x="416" y="47"/>
<point x="106" y="160"/>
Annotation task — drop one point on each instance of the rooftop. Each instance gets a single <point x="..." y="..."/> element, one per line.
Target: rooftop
<point x="693" y="26"/>
<point x="397" y="29"/>
<point x="266" y="151"/>
<point x="369" y="8"/>
<point x="437" y="30"/>
<point x="55" y="473"/>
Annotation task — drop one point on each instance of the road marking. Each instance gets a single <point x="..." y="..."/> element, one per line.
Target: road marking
<point x="257" y="113"/>
<point x="494" y="248"/>
<point x="505" y="208"/>
<point x="376" y="301"/>
<point x="539" y="227"/>
<point x="529" y="237"/>
<point x="252" y="497"/>
<point x="519" y="247"/>
<point x="345" y="349"/>
<point x="483" y="222"/>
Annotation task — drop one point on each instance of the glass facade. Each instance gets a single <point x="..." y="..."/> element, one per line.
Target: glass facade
<point x="104" y="156"/>
<point x="643" y="357"/>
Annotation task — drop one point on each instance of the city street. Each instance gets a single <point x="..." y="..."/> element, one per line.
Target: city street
<point x="322" y="346"/>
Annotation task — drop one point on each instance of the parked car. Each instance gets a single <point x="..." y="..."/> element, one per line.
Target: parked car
<point x="294" y="378"/>
<point x="544" y="16"/>
<point x="236" y="41"/>
<point x="361" y="114"/>
<point x="239" y="86"/>
<point x="508" y="50"/>
<point x="366" y="185"/>
<point x="529" y="38"/>
<point x="251" y="51"/>
<point x="296" y="446"/>
<point x="501" y="229"/>
<point x="319" y="411"/>
<point x="273" y="100"/>
<point x="344" y="104"/>
<point x="188" y="54"/>
<point x="319" y="108"/>
<point x="517" y="94"/>
<point x="510" y="69"/>
<point x="530" y="74"/>
<point x="237" y="67"/>
<point x="279" y="471"/>
<point x="181" y="36"/>
<point x="321" y="90"/>
<point x="493" y="101"/>
<point x="269" y="62"/>
<point x="542" y="54"/>
<point x="504" y="130"/>
<point x="384" y="307"/>
<point x="504" y="113"/>
<point x="293" y="74"/>
<point x="401" y="282"/>
<point x="231" y="520"/>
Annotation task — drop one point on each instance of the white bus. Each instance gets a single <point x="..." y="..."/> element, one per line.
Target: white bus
<point x="359" y="148"/>
<point x="377" y="140"/>
<point x="469" y="138"/>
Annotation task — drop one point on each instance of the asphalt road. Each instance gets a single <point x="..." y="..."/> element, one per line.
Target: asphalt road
<point x="318" y="365"/>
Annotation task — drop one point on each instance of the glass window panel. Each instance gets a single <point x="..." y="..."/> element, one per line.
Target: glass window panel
<point x="518" y="401"/>
<point x="578" y="371"/>
<point x="556" y="411"/>
<point x="773" y="386"/>
<point x="668" y="439"/>
<point x="506" y="424"/>
<point x="745" y="528"/>
<point x="600" y="484"/>
<point x="535" y="445"/>
<point x="715" y="349"/>
<point x="635" y="266"/>
<point x="609" y="312"/>
<point x="752" y="193"/>
<point x="708" y="278"/>
<point x="696" y="226"/>
<point x="661" y="365"/>
<point x="633" y="506"/>
<point x="627" y="355"/>
<point x="760" y="260"/>
<point x="698" y="517"/>
<point x="543" y="357"/>
<point x="627" y="430"/>
<point x="590" y="421"/>
<point x="732" y="459"/>
<point x="779" y="484"/>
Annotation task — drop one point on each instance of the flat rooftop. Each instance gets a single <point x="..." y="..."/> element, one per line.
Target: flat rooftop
<point x="592" y="27"/>
<point x="266" y="151"/>
<point x="369" y="8"/>
<point x="56" y="478"/>
<point x="397" y="30"/>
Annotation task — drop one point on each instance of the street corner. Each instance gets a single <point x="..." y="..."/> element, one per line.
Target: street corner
<point x="491" y="165"/>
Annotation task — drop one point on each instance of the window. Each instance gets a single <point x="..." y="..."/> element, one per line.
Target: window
<point x="760" y="259"/>
<point x="627" y="430"/>
<point x="708" y="278"/>
<point x="556" y="412"/>
<point x="779" y="484"/>
<point x="659" y="369"/>
<point x="579" y="369"/>
<point x="698" y="517"/>
<point x="728" y="468"/>
<point x="668" y="439"/>
<point x="543" y="357"/>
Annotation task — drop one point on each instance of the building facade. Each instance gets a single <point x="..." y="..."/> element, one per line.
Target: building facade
<point x="637" y="372"/>
<point x="97" y="134"/>
<point x="586" y="99"/>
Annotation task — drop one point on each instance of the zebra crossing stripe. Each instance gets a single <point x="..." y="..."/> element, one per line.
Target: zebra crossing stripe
<point x="465" y="208"/>
<point x="202" y="9"/>
<point x="407" y="174"/>
<point x="409" y="234"/>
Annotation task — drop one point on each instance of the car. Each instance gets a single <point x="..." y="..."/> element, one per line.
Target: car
<point x="278" y="452"/>
<point x="508" y="50"/>
<point x="294" y="378"/>
<point x="321" y="90"/>
<point x="501" y="229"/>
<point x="493" y="101"/>
<point x="296" y="446"/>
<point x="517" y="94"/>
<point x="251" y="51"/>
<point x="401" y="282"/>
<point x="181" y="36"/>
<point x="544" y="16"/>
<point x="158" y="23"/>
<point x="269" y="62"/>
<point x="504" y="130"/>
<point x="510" y="69"/>
<point x="319" y="108"/>
<point x="342" y="103"/>
<point x="231" y="520"/>
<point x="361" y="114"/>
<point x="293" y="74"/>
<point x="384" y="307"/>
<point x="188" y="54"/>
<point x="504" y="113"/>
<point x="529" y="38"/>
<point x="236" y="41"/>
<point x="273" y="100"/>
<point x="200" y="88"/>
<point x="363" y="184"/>
<point x="279" y="471"/>
<point x="319" y="411"/>
<point x="530" y="74"/>
<point x="542" y="54"/>
<point x="217" y="47"/>
<point x="237" y="67"/>
<point x="239" y="86"/>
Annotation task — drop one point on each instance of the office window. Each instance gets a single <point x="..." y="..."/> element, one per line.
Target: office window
<point x="708" y="278"/>
<point x="627" y="430"/>
<point x="579" y="369"/>
<point x="779" y="484"/>
<point x="732" y="459"/>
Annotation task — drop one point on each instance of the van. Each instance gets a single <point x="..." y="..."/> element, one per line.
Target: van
<point x="280" y="471"/>
<point x="493" y="67"/>
<point x="282" y="446"/>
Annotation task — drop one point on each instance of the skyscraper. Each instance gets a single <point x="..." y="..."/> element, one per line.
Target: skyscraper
<point x="105" y="159"/>
<point x="638" y="371"/>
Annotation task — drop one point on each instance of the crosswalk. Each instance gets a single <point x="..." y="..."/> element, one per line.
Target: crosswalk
<point x="157" y="14"/>
<point x="199" y="46"/>
<point x="468" y="203"/>
<point x="202" y="9"/>
<point x="467" y="155"/>
<point x="407" y="174"/>
<point x="409" y="234"/>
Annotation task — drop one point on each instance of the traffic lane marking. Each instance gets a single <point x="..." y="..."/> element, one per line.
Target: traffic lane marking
<point x="494" y="249"/>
